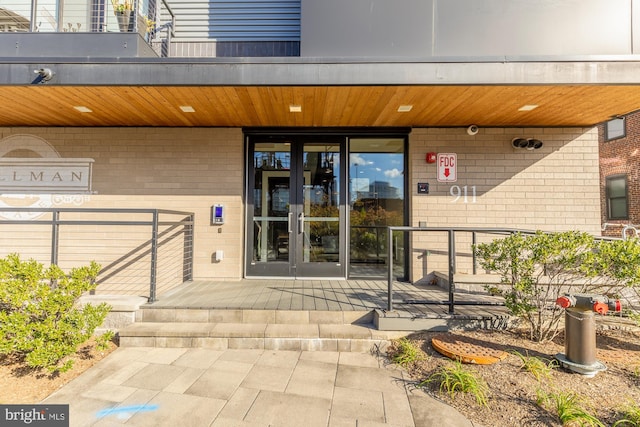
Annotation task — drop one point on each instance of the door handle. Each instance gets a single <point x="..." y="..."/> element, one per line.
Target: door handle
<point x="289" y="222"/>
<point x="300" y="223"/>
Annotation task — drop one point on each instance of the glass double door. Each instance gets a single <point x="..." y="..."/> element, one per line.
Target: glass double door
<point x="296" y="207"/>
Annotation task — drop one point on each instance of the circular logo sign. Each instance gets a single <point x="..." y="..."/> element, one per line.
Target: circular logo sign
<point x="21" y="146"/>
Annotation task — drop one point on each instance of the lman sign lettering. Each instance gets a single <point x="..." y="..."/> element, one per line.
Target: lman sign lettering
<point x="50" y="175"/>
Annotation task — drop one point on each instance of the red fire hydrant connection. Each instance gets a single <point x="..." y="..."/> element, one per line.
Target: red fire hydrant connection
<point x="580" y="331"/>
<point x="599" y="303"/>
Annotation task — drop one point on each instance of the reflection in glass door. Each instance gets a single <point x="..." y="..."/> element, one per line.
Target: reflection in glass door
<point x="270" y="225"/>
<point x="320" y="209"/>
<point x="296" y="203"/>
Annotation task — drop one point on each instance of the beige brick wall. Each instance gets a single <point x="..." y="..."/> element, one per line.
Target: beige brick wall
<point x="553" y="188"/>
<point x="187" y="169"/>
<point x="191" y="169"/>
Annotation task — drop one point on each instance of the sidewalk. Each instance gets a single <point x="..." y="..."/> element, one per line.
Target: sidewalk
<point x="249" y="388"/>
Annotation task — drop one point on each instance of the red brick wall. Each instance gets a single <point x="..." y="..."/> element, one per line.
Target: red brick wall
<point x="621" y="156"/>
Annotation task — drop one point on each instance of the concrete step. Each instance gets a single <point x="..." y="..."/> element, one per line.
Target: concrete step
<point x="221" y="329"/>
<point x="361" y="337"/>
<point x="300" y="330"/>
<point x="214" y="315"/>
<point x="400" y="321"/>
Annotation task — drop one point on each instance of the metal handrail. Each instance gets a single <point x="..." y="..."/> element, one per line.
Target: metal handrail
<point x="172" y="23"/>
<point x="93" y="17"/>
<point x="154" y="223"/>
<point x="451" y="259"/>
<point x="634" y="229"/>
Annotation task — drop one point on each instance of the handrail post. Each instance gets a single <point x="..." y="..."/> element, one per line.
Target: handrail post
<point x="154" y="257"/>
<point x="34" y="16"/>
<point x="55" y="236"/>
<point x="390" y="270"/>
<point x="452" y="269"/>
<point x="473" y="252"/>
<point x="187" y="260"/>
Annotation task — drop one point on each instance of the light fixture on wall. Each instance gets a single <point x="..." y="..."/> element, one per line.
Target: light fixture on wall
<point x="528" y="143"/>
<point x="44" y="75"/>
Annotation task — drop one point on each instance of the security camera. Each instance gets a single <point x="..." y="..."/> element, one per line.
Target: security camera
<point x="472" y="130"/>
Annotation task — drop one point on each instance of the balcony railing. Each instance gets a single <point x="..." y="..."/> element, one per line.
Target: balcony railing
<point x="152" y="19"/>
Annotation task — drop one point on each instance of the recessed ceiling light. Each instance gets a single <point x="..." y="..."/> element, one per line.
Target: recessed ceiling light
<point x="295" y="108"/>
<point x="187" y="109"/>
<point x="404" y="108"/>
<point x="528" y="107"/>
<point x="83" y="109"/>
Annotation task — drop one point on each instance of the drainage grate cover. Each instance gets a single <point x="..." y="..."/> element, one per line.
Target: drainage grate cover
<point x="467" y="350"/>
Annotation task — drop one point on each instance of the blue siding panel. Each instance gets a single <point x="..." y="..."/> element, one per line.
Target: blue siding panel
<point x="240" y="20"/>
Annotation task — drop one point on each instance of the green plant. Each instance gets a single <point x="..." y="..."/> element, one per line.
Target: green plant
<point x="39" y="320"/>
<point x="455" y="378"/>
<point x="538" y="367"/>
<point x="366" y="220"/>
<point x="102" y="341"/>
<point x="542" y="398"/>
<point x="630" y="416"/>
<point x="125" y="6"/>
<point x="614" y="264"/>
<point x="538" y="268"/>
<point x="406" y="352"/>
<point x="633" y="315"/>
<point x="149" y="24"/>
<point x="568" y="406"/>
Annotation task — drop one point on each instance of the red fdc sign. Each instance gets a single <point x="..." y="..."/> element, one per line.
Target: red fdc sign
<point x="447" y="167"/>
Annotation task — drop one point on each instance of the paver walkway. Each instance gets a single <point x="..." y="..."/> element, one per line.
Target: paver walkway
<point x="242" y="388"/>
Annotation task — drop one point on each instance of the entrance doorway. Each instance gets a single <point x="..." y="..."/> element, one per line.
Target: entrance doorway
<point x="296" y="207"/>
<point x="318" y="206"/>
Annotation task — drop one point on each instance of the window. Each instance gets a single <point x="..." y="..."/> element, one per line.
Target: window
<point x="617" y="197"/>
<point x="377" y="200"/>
<point x="615" y="129"/>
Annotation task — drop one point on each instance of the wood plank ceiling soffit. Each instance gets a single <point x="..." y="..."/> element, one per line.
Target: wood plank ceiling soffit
<point x="321" y="106"/>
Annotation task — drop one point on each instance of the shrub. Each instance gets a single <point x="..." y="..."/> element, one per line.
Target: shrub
<point x="39" y="320"/>
<point x="102" y="342"/>
<point x="538" y="268"/>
